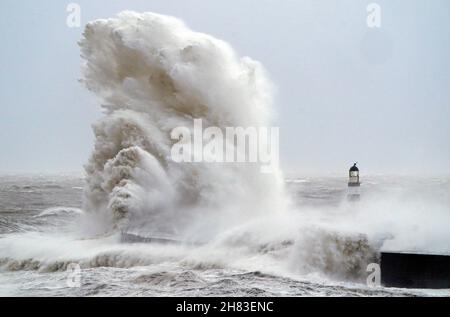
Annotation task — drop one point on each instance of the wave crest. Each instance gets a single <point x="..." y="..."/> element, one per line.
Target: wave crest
<point x="155" y="74"/>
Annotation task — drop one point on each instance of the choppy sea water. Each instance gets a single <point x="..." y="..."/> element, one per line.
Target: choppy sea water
<point x="39" y="240"/>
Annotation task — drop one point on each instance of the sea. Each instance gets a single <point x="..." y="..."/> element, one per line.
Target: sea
<point x="43" y="252"/>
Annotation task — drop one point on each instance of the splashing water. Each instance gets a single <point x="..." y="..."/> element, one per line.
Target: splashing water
<point x="154" y="74"/>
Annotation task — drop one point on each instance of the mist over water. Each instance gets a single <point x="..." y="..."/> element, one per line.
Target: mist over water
<point x="241" y="232"/>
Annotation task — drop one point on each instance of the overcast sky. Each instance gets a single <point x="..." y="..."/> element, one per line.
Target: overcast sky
<point x="346" y="92"/>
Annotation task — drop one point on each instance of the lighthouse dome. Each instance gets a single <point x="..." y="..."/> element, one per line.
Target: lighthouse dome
<point x="354" y="168"/>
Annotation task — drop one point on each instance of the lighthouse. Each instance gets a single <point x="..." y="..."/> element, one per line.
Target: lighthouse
<point x="353" y="183"/>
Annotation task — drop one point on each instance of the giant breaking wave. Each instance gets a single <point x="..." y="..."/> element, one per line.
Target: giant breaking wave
<point x="154" y="74"/>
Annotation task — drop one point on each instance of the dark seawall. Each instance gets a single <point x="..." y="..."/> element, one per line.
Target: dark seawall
<point x="415" y="270"/>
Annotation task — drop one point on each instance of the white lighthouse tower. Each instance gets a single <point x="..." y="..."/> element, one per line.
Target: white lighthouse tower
<point x="353" y="183"/>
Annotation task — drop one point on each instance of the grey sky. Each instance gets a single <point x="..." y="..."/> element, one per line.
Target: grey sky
<point x="345" y="92"/>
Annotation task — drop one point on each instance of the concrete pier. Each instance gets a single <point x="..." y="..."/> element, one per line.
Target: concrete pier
<point x="415" y="270"/>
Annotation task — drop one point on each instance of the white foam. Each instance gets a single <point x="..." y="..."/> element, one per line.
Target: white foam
<point x="155" y="74"/>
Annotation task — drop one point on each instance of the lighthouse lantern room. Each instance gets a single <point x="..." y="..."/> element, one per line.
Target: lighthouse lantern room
<point x="353" y="177"/>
